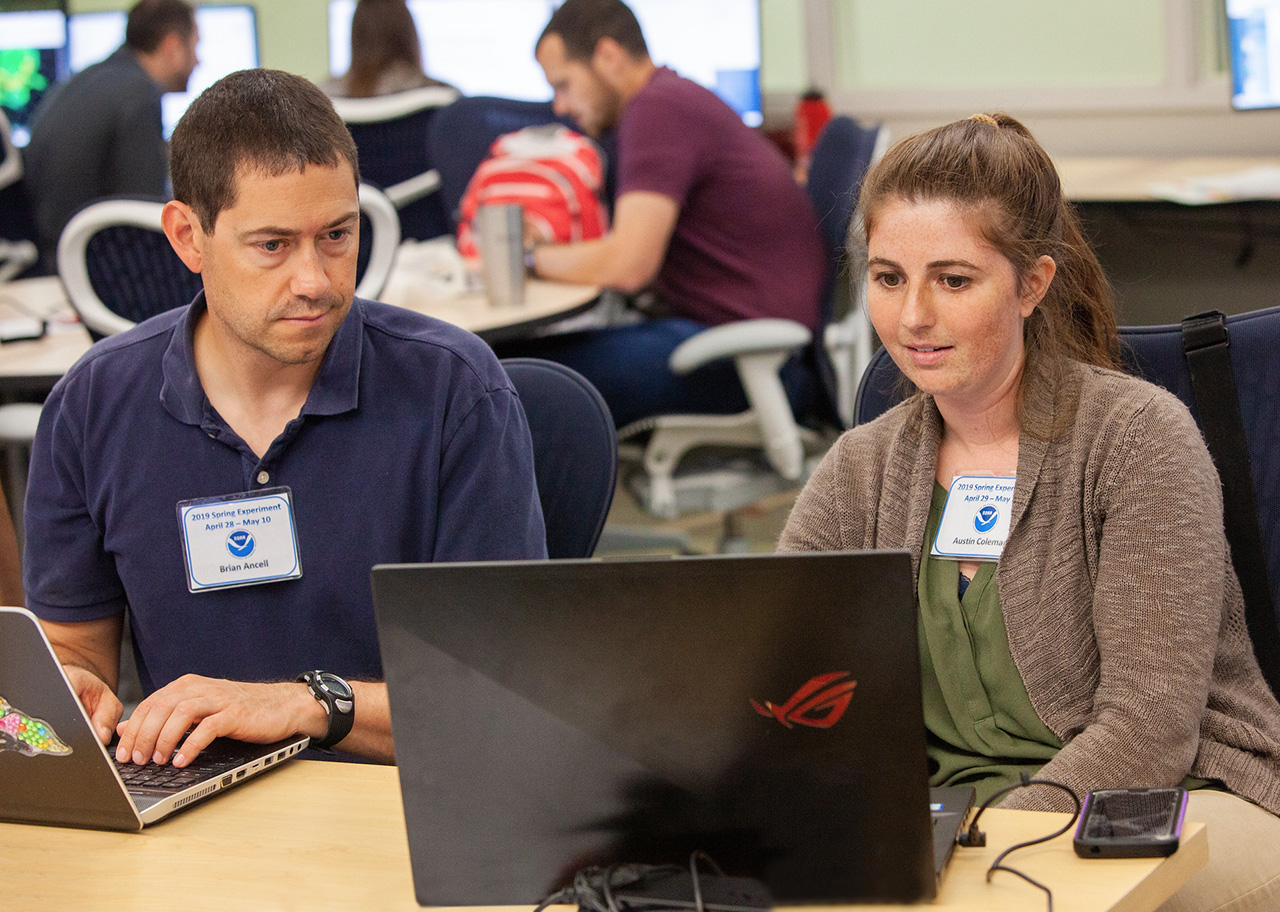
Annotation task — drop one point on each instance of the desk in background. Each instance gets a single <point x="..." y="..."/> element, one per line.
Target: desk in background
<point x="1166" y="259"/>
<point x="36" y="366"/>
<point x="315" y="835"/>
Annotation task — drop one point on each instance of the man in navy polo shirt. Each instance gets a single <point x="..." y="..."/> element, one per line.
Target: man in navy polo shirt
<point x="230" y="471"/>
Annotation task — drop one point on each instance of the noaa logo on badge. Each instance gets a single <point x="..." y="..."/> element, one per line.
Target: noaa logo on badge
<point x="240" y="543"/>
<point x="986" y="519"/>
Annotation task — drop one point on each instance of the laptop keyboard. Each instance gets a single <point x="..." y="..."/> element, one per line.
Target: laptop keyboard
<point x="153" y="777"/>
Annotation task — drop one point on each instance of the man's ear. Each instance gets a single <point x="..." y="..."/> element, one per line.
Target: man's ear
<point x="608" y="57"/>
<point x="182" y="228"/>
<point x="174" y="49"/>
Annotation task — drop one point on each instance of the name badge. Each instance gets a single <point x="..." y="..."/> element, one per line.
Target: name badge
<point x="975" y="519"/>
<point x="239" y="540"/>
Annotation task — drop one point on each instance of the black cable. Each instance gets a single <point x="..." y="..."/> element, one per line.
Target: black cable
<point x="697" y="880"/>
<point x="975" y="837"/>
<point x="593" y="888"/>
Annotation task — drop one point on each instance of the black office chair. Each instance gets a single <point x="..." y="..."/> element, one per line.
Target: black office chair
<point x="118" y="267"/>
<point x="1157" y="353"/>
<point x="575" y="452"/>
<point x="391" y="135"/>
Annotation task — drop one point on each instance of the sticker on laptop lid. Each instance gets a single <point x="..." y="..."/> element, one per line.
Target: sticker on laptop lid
<point x="975" y="519"/>
<point x="28" y="735"/>
<point x="239" y="540"/>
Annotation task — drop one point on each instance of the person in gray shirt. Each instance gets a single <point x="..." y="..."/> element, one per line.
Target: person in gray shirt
<point x="100" y="133"/>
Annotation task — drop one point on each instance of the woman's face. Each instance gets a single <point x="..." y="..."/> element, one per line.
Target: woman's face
<point x="947" y="304"/>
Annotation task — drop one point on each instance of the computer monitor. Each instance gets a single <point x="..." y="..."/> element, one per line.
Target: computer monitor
<point x="228" y="42"/>
<point x="1253" y="28"/>
<point x="485" y="47"/>
<point x="33" y="57"/>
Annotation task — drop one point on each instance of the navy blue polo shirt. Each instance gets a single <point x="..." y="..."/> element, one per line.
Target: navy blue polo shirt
<point x="412" y="446"/>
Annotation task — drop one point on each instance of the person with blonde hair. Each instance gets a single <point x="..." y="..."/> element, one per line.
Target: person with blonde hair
<point x="386" y="56"/>
<point x="1094" y="633"/>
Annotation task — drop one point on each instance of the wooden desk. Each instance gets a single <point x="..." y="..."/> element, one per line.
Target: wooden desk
<point x="331" y="836"/>
<point x="1136" y="178"/>
<point x="37" y="365"/>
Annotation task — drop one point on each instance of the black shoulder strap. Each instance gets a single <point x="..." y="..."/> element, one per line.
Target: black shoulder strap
<point x="1205" y="343"/>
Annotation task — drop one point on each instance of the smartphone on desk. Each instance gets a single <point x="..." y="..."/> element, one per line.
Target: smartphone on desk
<point x="1131" y="823"/>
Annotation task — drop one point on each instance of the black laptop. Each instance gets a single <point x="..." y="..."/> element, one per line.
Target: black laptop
<point x="765" y="709"/>
<point x="54" y="770"/>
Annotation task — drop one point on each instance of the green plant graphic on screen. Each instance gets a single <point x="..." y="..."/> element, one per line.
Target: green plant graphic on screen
<point x="20" y="76"/>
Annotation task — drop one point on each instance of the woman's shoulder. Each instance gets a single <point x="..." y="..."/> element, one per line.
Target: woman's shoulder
<point x="1124" y="397"/>
<point x="1128" y="421"/>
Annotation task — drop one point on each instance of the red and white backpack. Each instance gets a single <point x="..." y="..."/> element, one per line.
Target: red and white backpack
<point x="557" y="176"/>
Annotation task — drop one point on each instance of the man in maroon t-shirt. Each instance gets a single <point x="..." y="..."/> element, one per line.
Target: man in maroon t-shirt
<point x="707" y="215"/>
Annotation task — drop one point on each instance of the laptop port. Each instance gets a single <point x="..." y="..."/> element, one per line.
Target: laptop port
<point x="226" y="780"/>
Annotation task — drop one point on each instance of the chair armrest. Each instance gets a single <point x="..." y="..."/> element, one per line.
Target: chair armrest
<point x="759" y="349"/>
<point x="741" y="338"/>
<point x="384" y="243"/>
<point x="413" y="189"/>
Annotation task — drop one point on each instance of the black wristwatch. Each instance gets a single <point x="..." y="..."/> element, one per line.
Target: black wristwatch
<point x="338" y="700"/>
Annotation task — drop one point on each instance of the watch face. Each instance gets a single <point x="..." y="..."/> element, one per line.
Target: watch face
<point x="335" y="685"/>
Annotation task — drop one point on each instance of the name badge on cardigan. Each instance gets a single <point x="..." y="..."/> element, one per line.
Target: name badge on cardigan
<point x="239" y="540"/>
<point x="975" y="518"/>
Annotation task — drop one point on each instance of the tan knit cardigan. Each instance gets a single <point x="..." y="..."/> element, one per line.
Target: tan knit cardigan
<point x="1123" y="613"/>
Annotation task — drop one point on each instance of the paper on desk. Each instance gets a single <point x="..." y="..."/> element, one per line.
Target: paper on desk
<point x="1262" y="182"/>
<point x="426" y="272"/>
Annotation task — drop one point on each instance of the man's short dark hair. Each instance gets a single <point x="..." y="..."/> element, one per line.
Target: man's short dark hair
<point x="582" y="23"/>
<point x="150" y="21"/>
<point x="267" y="120"/>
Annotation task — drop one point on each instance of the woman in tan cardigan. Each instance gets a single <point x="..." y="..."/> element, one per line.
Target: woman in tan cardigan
<point x="1079" y="615"/>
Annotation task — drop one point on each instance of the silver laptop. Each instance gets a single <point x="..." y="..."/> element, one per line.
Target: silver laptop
<point x="766" y="709"/>
<point x="54" y="770"/>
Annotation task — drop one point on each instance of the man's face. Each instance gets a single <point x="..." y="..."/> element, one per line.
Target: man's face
<point x="581" y="92"/>
<point x="183" y="60"/>
<point x="279" y="268"/>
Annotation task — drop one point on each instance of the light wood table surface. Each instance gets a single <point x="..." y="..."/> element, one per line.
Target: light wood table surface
<point x="43" y="361"/>
<point x="317" y="836"/>
<point x="1137" y="178"/>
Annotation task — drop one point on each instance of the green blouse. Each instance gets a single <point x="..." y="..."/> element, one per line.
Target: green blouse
<point x="982" y="729"/>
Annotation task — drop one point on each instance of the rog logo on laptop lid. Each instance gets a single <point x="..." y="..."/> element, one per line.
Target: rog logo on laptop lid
<point x="815" y="704"/>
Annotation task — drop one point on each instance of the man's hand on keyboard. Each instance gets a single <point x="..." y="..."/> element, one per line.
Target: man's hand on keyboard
<point x="212" y="708"/>
<point x="102" y="706"/>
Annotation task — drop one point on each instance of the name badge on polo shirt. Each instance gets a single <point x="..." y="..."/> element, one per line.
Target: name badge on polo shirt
<point x="975" y="519"/>
<point x="239" y="540"/>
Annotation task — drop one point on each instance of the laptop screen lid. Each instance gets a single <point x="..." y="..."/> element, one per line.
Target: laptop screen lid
<point x="557" y="714"/>
<point x="53" y="769"/>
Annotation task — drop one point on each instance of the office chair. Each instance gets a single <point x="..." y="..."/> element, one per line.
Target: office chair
<point x="776" y="451"/>
<point x="1249" y="467"/>
<point x="16" y="256"/>
<point x="391" y="135"/>
<point x="118" y="267"/>
<point x="575" y="452"/>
